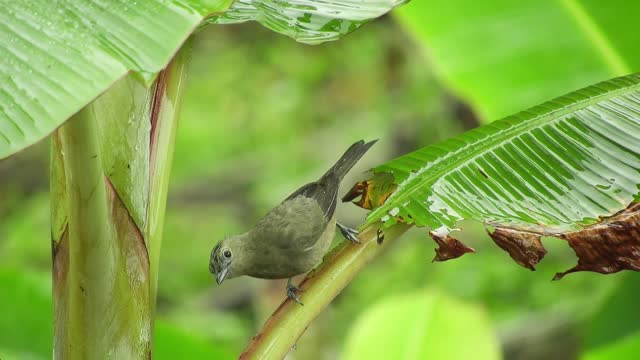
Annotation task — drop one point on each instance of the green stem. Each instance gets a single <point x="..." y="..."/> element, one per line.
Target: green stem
<point x="283" y="329"/>
<point x="166" y="106"/>
<point x="109" y="178"/>
<point x="96" y="311"/>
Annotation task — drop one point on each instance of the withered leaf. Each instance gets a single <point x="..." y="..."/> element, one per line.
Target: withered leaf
<point x="523" y="247"/>
<point x="373" y="192"/>
<point x="609" y="246"/>
<point x="449" y="247"/>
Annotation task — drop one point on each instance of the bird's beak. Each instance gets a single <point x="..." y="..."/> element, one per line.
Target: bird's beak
<point x="222" y="274"/>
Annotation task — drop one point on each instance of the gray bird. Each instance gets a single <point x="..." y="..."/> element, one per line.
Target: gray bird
<point x="293" y="237"/>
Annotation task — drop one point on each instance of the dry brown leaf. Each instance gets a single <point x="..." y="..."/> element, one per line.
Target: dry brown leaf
<point x="373" y="192"/>
<point x="449" y="247"/>
<point x="524" y="247"/>
<point x="609" y="246"/>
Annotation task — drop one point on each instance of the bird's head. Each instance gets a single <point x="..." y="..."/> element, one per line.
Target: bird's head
<point x="224" y="262"/>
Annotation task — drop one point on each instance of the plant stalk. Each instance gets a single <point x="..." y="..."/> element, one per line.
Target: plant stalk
<point x="97" y="310"/>
<point x="283" y="329"/>
<point x="110" y="167"/>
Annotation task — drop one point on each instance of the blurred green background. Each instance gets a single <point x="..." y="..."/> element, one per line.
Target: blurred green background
<point x="263" y="115"/>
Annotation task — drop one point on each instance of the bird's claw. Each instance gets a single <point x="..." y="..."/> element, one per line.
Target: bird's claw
<point x="291" y="292"/>
<point x="292" y="295"/>
<point x="349" y="233"/>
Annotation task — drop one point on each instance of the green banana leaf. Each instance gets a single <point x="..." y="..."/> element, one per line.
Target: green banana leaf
<point x="57" y="56"/>
<point x="503" y="56"/>
<point x="422" y="325"/>
<point x="307" y="21"/>
<point x="567" y="168"/>
<point x="624" y="348"/>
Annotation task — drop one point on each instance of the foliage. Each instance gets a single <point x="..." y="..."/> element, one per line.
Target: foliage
<point x="625" y="348"/>
<point x="234" y="161"/>
<point x="550" y="159"/>
<point x="171" y="342"/>
<point x="611" y="319"/>
<point x="414" y="326"/>
<point x="207" y="201"/>
<point x="559" y="169"/>
<point x="502" y="56"/>
<point x="492" y="174"/>
<point x="62" y="55"/>
<point x="307" y="21"/>
<point x="25" y="313"/>
<point x="110" y="163"/>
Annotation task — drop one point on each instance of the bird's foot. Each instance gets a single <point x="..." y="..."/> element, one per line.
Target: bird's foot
<point x="291" y="292"/>
<point x="349" y="233"/>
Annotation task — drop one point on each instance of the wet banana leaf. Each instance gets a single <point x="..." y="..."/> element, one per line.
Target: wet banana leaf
<point x="569" y="168"/>
<point x="57" y="56"/>
<point x="307" y="21"/>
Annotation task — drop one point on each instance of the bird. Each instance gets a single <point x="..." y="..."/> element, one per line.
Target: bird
<point x="292" y="238"/>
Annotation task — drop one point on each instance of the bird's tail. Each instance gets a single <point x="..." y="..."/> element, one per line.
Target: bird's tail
<point x="350" y="158"/>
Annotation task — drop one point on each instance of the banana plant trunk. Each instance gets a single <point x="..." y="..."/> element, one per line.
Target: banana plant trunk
<point x="110" y="166"/>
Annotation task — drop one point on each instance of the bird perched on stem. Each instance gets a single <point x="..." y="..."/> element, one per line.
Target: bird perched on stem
<point x="293" y="237"/>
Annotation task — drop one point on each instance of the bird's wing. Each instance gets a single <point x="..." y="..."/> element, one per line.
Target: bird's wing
<point x="296" y="223"/>
<point x="324" y="191"/>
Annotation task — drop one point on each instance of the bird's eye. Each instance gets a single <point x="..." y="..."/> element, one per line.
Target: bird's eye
<point x="226" y="254"/>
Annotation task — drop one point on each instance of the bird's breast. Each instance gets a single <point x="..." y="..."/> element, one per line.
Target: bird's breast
<point x="291" y="239"/>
